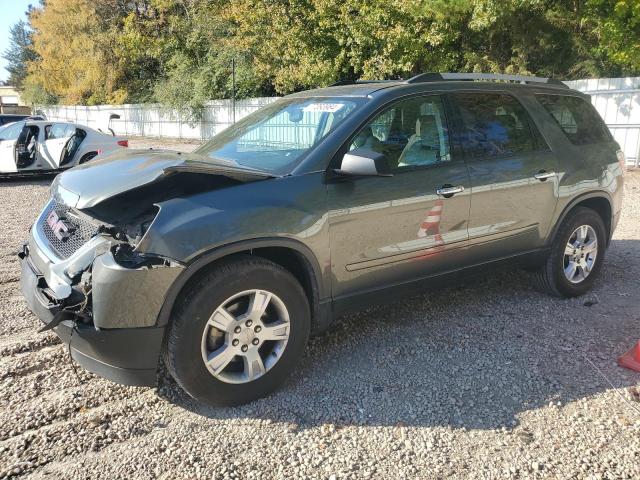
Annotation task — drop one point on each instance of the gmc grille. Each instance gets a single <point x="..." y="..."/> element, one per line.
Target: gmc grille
<point x="81" y="234"/>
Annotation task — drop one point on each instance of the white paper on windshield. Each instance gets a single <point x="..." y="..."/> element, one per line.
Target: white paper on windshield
<point x="323" y="107"/>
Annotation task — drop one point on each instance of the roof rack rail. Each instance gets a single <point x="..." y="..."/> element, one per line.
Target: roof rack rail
<point x="360" y="82"/>
<point x="439" y="77"/>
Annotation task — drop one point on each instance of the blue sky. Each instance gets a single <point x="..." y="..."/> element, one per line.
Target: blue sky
<point x="10" y="12"/>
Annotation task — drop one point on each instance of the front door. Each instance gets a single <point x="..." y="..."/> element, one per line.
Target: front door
<point x="8" y="139"/>
<point x="387" y="231"/>
<point x="26" y="147"/>
<point x="513" y="174"/>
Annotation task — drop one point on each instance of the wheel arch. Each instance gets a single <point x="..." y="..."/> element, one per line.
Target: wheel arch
<point x="600" y="202"/>
<point x="291" y="254"/>
<point x="86" y="156"/>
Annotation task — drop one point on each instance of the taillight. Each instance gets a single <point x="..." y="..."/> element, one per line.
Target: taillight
<point x="123" y="143"/>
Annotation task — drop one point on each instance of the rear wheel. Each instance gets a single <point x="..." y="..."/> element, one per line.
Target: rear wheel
<point x="89" y="156"/>
<point x="576" y="255"/>
<point x="239" y="332"/>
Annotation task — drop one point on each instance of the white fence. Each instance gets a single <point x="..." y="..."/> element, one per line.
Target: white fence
<point x="152" y="120"/>
<point x="617" y="100"/>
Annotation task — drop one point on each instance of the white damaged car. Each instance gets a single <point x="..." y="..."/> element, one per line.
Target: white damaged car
<point x="39" y="146"/>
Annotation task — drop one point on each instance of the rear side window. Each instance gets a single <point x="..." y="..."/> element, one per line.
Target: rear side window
<point x="492" y="124"/>
<point x="577" y="118"/>
<point x="59" y="130"/>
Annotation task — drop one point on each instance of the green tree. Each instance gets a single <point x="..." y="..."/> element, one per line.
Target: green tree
<point x="74" y="60"/>
<point x="179" y="52"/>
<point x="19" y="53"/>
<point x="615" y="25"/>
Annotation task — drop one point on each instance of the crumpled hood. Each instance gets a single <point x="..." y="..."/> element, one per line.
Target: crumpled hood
<point x="91" y="183"/>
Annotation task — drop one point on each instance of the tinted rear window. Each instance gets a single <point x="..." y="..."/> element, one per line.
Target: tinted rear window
<point x="577" y="118"/>
<point x="4" y="119"/>
<point x="492" y="124"/>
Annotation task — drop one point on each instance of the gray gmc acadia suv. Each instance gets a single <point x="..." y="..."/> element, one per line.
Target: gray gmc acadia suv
<point x="224" y="261"/>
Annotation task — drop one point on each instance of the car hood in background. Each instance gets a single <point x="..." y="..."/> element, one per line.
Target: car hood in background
<point x="91" y="183"/>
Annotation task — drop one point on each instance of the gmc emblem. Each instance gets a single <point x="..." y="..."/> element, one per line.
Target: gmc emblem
<point x="61" y="229"/>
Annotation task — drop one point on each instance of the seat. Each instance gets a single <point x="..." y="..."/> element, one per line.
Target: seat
<point x="423" y="147"/>
<point x="366" y="139"/>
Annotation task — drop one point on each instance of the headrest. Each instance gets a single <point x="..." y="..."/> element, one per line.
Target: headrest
<point x="426" y="124"/>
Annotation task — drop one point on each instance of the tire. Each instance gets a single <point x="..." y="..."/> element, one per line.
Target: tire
<point x="551" y="277"/>
<point x="195" y="333"/>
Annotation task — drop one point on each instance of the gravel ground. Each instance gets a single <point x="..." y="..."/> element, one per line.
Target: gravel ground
<point x="166" y="143"/>
<point x="488" y="380"/>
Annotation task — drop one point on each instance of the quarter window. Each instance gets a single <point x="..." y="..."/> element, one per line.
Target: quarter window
<point x="492" y="125"/>
<point x="577" y="118"/>
<point x="411" y="133"/>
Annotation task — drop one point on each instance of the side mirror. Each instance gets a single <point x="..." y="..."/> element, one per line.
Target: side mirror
<point x="112" y="116"/>
<point x="363" y="162"/>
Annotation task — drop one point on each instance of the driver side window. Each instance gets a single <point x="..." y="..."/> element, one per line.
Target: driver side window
<point x="410" y="133"/>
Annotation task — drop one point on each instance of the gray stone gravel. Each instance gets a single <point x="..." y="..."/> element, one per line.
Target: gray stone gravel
<point x="487" y="380"/>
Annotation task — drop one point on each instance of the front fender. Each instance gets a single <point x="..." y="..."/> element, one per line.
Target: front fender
<point x="291" y="207"/>
<point x="286" y="212"/>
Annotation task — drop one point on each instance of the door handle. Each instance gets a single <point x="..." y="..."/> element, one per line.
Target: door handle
<point x="448" y="191"/>
<point x="542" y="175"/>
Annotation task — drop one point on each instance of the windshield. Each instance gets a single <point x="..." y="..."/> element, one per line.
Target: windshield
<point x="11" y="131"/>
<point x="276" y="137"/>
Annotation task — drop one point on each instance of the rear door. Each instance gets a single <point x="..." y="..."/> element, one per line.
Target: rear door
<point x="392" y="230"/>
<point x="514" y="185"/>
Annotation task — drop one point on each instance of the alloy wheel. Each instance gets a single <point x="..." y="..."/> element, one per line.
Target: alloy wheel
<point x="580" y="254"/>
<point x="245" y="336"/>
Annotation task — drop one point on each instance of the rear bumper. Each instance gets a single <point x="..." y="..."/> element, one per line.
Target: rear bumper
<point x="124" y="355"/>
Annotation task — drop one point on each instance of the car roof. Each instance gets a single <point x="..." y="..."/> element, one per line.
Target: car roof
<point x="49" y="122"/>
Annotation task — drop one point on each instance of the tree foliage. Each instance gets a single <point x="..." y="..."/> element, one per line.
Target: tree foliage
<point x="179" y="52"/>
<point x="19" y="54"/>
<point x="76" y="62"/>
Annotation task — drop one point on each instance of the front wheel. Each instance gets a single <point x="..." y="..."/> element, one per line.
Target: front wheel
<point x="238" y="332"/>
<point x="576" y="255"/>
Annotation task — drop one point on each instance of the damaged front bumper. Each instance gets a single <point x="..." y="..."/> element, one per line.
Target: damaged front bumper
<point x="110" y="310"/>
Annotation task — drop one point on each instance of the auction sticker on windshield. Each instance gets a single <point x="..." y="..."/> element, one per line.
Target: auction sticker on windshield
<point x="323" y="107"/>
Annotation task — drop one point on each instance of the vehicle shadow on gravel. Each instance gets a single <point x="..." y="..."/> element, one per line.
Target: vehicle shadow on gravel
<point x="475" y="356"/>
<point x="30" y="180"/>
